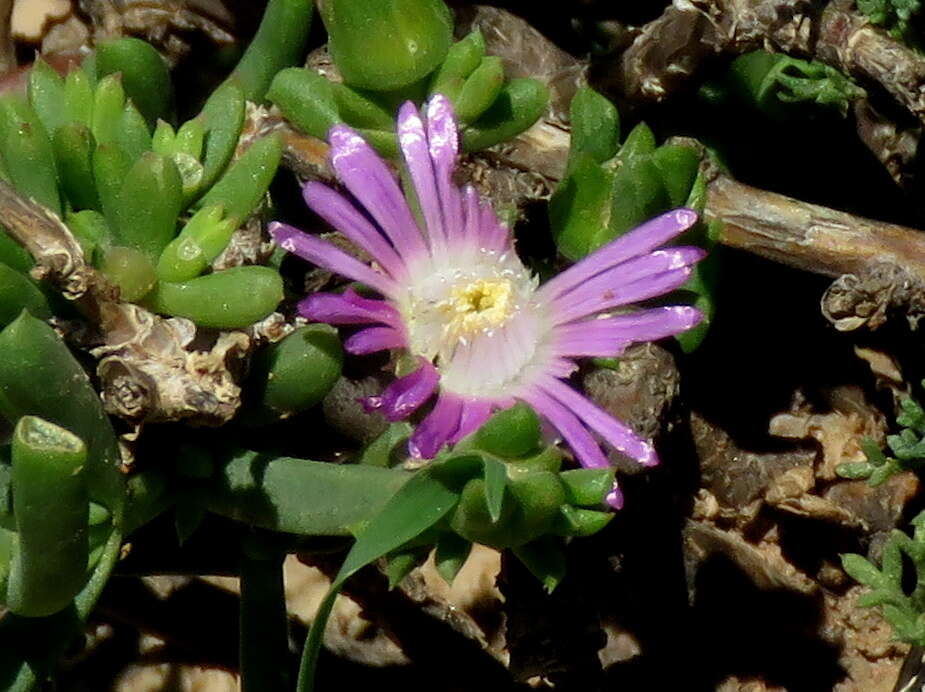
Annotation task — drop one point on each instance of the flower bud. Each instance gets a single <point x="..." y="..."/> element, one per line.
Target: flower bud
<point x="573" y="521"/>
<point x="587" y="487"/>
<point x="472" y="519"/>
<point x="538" y="497"/>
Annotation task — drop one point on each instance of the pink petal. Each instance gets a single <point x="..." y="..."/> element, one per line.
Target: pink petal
<point x="371" y="182"/>
<point x="618" y="435"/>
<point x="374" y="339"/>
<point x="586" y="450"/>
<point x="326" y="255"/>
<point x="610" y="336"/>
<point x="437" y="427"/>
<point x="348" y="308"/>
<point x="340" y="212"/>
<point x="639" y="241"/>
<point x="407" y="394"/>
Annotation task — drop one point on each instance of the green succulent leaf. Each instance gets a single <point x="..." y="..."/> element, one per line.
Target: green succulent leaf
<point x="18" y="293"/>
<point x="33" y="352"/>
<point x="462" y="58"/>
<point x="510" y="433"/>
<point x="279" y="43"/>
<point x="49" y="565"/>
<point x="595" y="126"/>
<point x="145" y="76"/>
<point x="451" y="554"/>
<point x="222" y="119"/>
<point x="519" y="104"/>
<point x="231" y="299"/>
<point x="46" y="94"/>
<point x="545" y="560"/>
<point x="294" y="374"/>
<point x="409" y="38"/>
<point x="306" y="99"/>
<point x="301" y="496"/>
<point x="243" y="186"/>
<point x="27" y="153"/>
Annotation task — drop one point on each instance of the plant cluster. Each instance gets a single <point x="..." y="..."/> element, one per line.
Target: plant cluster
<point x="152" y="202"/>
<point x="482" y="446"/>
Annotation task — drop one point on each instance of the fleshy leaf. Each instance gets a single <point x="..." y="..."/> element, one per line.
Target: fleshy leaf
<point x="452" y="553"/>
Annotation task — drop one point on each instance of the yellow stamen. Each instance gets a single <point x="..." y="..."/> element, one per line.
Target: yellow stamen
<point x="477" y="306"/>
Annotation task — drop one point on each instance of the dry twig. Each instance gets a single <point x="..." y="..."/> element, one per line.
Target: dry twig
<point x="668" y="51"/>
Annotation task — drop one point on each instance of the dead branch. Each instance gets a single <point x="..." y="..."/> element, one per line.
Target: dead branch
<point x="673" y="47"/>
<point x="881" y="266"/>
<point x="809" y="236"/>
<point x="668" y="51"/>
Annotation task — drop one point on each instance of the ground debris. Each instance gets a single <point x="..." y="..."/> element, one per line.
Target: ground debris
<point x="869" y="654"/>
<point x="839" y="431"/>
<point x="165" y="23"/>
<point x="739" y="479"/>
<point x="779" y="519"/>
<point x="763" y="562"/>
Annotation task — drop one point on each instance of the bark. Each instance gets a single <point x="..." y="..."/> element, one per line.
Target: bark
<point x="809" y="236"/>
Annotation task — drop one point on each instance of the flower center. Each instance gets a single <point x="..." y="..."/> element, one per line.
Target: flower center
<point x="477" y="306"/>
<point x="472" y="314"/>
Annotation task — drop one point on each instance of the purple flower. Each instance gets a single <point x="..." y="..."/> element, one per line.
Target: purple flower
<point x="457" y="296"/>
